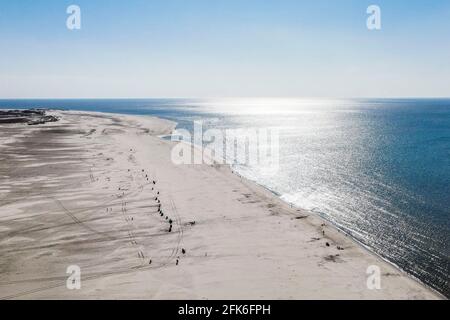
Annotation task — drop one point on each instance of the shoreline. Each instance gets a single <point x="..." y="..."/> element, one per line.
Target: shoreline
<point x="338" y="229"/>
<point x="359" y="243"/>
<point x="292" y="206"/>
<point x="264" y="205"/>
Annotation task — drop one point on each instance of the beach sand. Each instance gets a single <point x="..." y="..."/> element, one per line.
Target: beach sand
<point x="80" y="192"/>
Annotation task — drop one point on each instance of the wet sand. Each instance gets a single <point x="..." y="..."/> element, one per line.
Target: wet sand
<point x="87" y="191"/>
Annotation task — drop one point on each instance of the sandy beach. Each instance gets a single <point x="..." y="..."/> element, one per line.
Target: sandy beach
<point x="87" y="190"/>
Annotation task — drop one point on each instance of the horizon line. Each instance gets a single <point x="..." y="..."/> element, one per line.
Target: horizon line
<point x="225" y="98"/>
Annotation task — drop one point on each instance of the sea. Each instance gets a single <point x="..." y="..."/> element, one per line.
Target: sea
<point x="378" y="169"/>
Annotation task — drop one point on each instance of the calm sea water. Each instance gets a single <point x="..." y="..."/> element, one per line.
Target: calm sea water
<point x="378" y="169"/>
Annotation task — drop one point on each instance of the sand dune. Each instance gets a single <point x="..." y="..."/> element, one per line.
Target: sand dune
<point x="87" y="190"/>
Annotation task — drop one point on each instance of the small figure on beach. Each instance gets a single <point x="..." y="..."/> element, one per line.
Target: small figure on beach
<point x="183" y="251"/>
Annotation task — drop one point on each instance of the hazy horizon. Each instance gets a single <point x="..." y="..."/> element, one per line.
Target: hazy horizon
<point x="224" y="49"/>
<point x="230" y="98"/>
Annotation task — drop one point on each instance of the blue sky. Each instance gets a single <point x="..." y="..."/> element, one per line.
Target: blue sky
<point x="224" y="48"/>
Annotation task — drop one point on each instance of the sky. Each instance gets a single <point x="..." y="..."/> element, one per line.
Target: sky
<point x="224" y="48"/>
